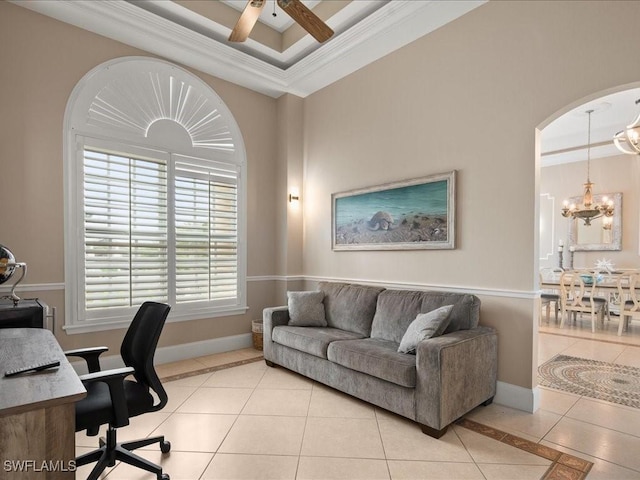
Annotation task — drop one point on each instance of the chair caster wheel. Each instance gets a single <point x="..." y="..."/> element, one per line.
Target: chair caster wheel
<point x="165" y="476"/>
<point x="164" y="448"/>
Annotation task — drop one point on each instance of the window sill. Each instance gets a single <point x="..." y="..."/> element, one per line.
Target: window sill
<point x="97" y="326"/>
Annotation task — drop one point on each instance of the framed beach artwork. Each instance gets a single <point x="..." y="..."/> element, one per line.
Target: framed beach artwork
<point x="410" y="215"/>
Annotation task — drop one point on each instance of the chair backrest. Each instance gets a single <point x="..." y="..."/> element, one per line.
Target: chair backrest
<point x="550" y="275"/>
<point x="577" y="289"/>
<point x="139" y="346"/>
<point x="629" y="290"/>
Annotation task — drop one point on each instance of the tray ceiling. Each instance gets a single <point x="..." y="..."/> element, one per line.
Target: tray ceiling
<point x="279" y="56"/>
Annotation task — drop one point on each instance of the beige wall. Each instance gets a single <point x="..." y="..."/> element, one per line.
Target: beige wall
<point x="290" y="176"/>
<point x="620" y="173"/>
<point x="468" y="97"/>
<point x="41" y="60"/>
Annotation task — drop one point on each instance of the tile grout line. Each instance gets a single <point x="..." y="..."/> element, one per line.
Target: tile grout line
<point x="601" y="340"/>
<point x="563" y="466"/>
<point x="384" y="450"/>
<point x="304" y="431"/>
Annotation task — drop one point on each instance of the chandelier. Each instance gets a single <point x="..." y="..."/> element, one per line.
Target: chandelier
<point x="588" y="210"/>
<point x="628" y="140"/>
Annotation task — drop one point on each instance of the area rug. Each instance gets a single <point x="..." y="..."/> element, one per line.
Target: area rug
<point x="591" y="378"/>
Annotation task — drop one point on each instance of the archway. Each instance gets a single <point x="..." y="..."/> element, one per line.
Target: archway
<point x="561" y="172"/>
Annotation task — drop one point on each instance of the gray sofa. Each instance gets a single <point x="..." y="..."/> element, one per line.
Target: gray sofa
<point x="356" y="352"/>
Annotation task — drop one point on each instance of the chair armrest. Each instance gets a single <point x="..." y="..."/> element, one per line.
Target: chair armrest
<point x="271" y="318"/>
<point x="456" y="372"/>
<point x="115" y="381"/>
<point x="90" y="355"/>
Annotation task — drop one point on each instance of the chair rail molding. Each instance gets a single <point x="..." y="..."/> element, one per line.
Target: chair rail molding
<point x="40" y="287"/>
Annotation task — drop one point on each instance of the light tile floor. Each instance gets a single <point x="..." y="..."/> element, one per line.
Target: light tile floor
<point x="604" y="433"/>
<point x="255" y="422"/>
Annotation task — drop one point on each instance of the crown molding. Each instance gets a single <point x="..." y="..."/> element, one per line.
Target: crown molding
<point x="126" y="23"/>
<point x="396" y="24"/>
<point x="393" y="26"/>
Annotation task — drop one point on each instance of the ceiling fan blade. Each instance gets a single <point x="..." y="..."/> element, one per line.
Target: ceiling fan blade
<point x="247" y="20"/>
<point x="307" y="19"/>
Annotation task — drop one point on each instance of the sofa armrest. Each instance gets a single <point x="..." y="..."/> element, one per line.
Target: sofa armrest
<point x="456" y="372"/>
<point x="271" y="318"/>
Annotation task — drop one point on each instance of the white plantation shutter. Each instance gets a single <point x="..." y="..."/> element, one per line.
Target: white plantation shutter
<point x="125" y="230"/>
<point x="206" y="202"/>
<point x="137" y="248"/>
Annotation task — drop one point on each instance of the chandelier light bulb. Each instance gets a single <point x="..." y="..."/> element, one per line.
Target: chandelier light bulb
<point x="628" y="140"/>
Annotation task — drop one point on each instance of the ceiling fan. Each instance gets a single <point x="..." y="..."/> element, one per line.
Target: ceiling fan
<point x="294" y="8"/>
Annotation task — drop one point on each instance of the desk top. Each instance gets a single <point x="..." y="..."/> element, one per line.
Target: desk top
<point x="21" y="347"/>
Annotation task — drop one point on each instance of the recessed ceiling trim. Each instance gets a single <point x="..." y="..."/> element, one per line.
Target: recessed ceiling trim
<point x="396" y="24"/>
<point x="393" y="26"/>
<point x="279" y="22"/>
<point x="191" y="20"/>
<point x="578" y="154"/>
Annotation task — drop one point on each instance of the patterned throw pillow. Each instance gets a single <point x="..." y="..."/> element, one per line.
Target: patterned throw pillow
<point x="306" y="309"/>
<point x="426" y="325"/>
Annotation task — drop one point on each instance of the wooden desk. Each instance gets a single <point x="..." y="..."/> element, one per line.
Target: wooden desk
<point x="37" y="414"/>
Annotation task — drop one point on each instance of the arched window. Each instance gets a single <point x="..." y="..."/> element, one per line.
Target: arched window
<point x="154" y="197"/>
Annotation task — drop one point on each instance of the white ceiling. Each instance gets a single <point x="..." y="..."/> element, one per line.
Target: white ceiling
<point x="366" y="30"/>
<point x="351" y="24"/>
<point x="565" y="139"/>
<point x="280" y="21"/>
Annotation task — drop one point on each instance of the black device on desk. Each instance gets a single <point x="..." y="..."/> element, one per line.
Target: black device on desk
<point x="24" y="313"/>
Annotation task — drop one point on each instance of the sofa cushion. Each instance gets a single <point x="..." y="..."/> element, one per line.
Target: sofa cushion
<point x="465" y="313"/>
<point x="396" y="309"/>
<point x="375" y="357"/>
<point x="350" y="307"/>
<point x="425" y="325"/>
<point x="312" y="340"/>
<point x="306" y="309"/>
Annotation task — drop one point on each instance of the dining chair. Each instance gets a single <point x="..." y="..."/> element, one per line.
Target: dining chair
<point x="549" y="296"/>
<point x="578" y="295"/>
<point x="629" y="294"/>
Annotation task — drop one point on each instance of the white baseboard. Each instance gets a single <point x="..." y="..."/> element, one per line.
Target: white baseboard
<point x="509" y="395"/>
<point x="520" y="398"/>
<point x="175" y="353"/>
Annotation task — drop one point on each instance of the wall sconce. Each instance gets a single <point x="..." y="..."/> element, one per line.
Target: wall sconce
<point x="294" y="195"/>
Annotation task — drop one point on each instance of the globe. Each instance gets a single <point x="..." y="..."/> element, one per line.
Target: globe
<point x="6" y="257"/>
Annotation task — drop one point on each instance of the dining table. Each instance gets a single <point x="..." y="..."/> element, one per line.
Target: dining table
<point x="607" y="283"/>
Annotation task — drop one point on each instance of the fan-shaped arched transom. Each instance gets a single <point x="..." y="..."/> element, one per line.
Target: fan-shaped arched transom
<point x="126" y="97"/>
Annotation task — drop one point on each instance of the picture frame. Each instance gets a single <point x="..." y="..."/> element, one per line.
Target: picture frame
<point x="413" y="214"/>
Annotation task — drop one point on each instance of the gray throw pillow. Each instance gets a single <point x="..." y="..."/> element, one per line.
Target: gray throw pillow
<point x="306" y="309"/>
<point x="425" y="325"/>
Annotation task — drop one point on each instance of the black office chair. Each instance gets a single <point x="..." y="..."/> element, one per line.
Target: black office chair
<point x="113" y="400"/>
